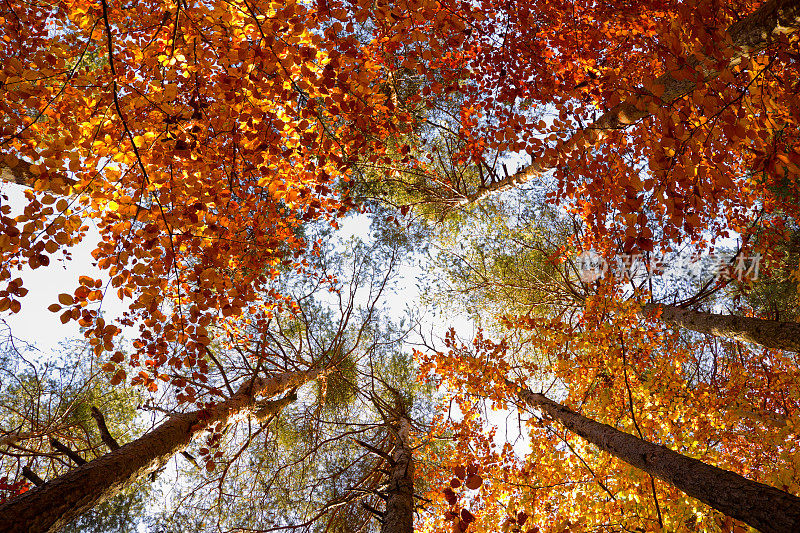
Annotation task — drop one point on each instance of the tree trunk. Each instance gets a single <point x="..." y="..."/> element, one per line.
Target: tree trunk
<point x="56" y="183"/>
<point x="748" y="35"/>
<point x="399" y="515"/>
<point x="60" y="500"/>
<point x="22" y="174"/>
<point x="763" y="507"/>
<point x="766" y="333"/>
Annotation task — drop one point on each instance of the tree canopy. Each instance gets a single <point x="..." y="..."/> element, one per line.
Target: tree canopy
<point x="608" y="192"/>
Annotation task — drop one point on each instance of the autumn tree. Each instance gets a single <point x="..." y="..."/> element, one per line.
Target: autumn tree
<point x="249" y="374"/>
<point x="623" y="187"/>
<point x="761" y="506"/>
<point x="340" y="458"/>
<point x="327" y="461"/>
<point x="564" y="482"/>
<point x="588" y="341"/>
<point x="201" y="136"/>
<point x="518" y="256"/>
<point x="606" y="92"/>
<point x="573" y="338"/>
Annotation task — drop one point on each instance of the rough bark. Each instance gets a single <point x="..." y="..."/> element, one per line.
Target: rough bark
<point x="60" y="500"/>
<point x="748" y="35"/>
<point x="21" y="175"/>
<point x="399" y="514"/>
<point x="763" y="507"/>
<point x="766" y="333"/>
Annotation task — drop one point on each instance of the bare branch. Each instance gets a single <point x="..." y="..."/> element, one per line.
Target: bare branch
<point x="375" y="451"/>
<point x="31" y="475"/>
<point x="59" y="446"/>
<point x="104" y="433"/>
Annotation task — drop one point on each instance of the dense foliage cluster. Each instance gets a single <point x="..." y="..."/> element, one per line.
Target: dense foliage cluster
<point x="219" y="145"/>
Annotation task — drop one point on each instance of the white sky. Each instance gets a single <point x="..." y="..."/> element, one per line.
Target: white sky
<point x="34" y="323"/>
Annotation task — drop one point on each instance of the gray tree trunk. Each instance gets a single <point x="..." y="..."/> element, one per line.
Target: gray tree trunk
<point x="748" y="35"/>
<point x="763" y="507"/>
<point x="60" y="500"/>
<point x="766" y="333"/>
<point x="399" y="515"/>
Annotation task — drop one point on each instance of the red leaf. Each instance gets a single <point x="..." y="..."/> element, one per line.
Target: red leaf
<point x="467" y="517"/>
<point x="474" y="481"/>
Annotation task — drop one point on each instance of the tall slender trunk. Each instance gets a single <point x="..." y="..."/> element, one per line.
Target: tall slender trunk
<point x="766" y="333"/>
<point x="52" y="505"/>
<point x="763" y="507"/>
<point x="399" y="515"/>
<point x="749" y="34"/>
